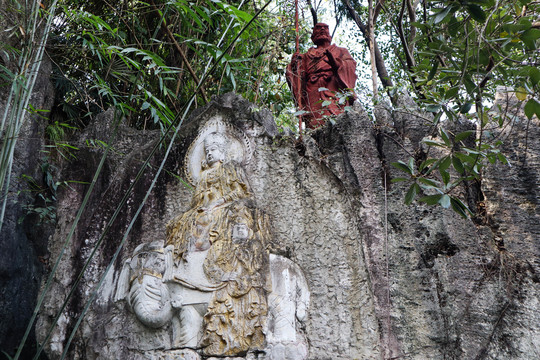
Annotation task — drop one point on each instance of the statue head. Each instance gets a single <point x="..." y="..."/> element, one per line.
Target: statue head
<point x="148" y="295"/>
<point x="242" y="225"/>
<point x="240" y="232"/>
<point x="215" y="148"/>
<point x="321" y="34"/>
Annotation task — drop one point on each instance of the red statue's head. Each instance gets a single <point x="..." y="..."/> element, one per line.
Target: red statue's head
<point x="321" y="34"/>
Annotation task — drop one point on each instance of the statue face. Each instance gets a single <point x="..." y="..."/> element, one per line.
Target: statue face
<point x="240" y="232"/>
<point x="321" y="34"/>
<point x="213" y="153"/>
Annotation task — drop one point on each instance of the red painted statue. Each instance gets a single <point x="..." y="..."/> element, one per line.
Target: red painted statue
<point x="316" y="76"/>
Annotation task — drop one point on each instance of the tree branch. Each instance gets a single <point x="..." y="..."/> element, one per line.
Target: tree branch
<point x="379" y="61"/>
<point x="371" y="35"/>
<point x="412" y="18"/>
<point x="313" y="12"/>
<point x="378" y="8"/>
<point x="408" y="56"/>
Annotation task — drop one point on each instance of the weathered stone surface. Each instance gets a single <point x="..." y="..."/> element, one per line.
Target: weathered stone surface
<point x="23" y="244"/>
<point x="386" y="280"/>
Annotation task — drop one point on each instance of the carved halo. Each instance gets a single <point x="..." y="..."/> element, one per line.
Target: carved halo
<point x="239" y="147"/>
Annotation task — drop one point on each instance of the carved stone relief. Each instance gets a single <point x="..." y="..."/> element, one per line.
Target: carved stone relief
<point x="213" y="280"/>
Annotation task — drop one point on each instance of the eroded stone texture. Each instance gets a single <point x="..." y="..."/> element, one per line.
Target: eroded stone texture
<point x="454" y="293"/>
<point x="23" y="242"/>
<point x="386" y="280"/>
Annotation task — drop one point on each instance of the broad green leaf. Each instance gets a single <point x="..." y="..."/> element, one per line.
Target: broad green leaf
<point x="532" y="107"/>
<point x="398" y="179"/>
<point x="402" y="166"/>
<point x="470" y="87"/>
<point x="451" y="93"/>
<point x="429" y="182"/>
<point x="529" y="38"/>
<point x="453" y="26"/>
<point x="459" y="207"/>
<point x="463" y="135"/>
<point x="471" y="151"/>
<point x="419" y="25"/>
<point x="485" y="119"/>
<point x="433" y="108"/>
<point x="431" y="199"/>
<point x="534" y="74"/>
<point x="426" y="163"/>
<point x="458" y="165"/>
<point x="503" y="159"/>
<point x="433" y="143"/>
<point x="465" y="108"/>
<point x="521" y="93"/>
<point x="445" y="137"/>
<point x="476" y="12"/>
<point x="445" y="201"/>
<point x="524" y="21"/>
<point x="442" y="14"/>
<point x="445" y="176"/>
<point x="411" y="193"/>
<point x="437" y="117"/>
<point x="433" y="70"/>
<point x="233" y="81"/>
<point x="411" y="164"/>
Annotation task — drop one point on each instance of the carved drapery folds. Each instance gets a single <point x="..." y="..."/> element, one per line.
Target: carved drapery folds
<point x="213" y="278"/>
<point x="322" y="80"/>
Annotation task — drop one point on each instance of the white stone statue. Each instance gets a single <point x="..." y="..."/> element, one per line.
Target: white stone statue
<point x="214" y="280"/>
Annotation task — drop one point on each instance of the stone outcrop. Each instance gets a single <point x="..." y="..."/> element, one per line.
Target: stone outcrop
<point x="23" y="244"/>
<point x="386" y="280"/>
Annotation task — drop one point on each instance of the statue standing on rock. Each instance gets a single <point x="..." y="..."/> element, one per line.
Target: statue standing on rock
<point x="318" y="75"/>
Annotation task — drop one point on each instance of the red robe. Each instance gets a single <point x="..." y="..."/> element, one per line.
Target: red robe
<point x="315" y="72"/>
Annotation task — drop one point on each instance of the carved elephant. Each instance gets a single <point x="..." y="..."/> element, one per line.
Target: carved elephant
<point x="142" y="281"/>
<point x="155" y="301"/>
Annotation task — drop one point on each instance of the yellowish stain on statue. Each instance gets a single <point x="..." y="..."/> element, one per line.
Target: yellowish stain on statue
<point x="222" y="221"/>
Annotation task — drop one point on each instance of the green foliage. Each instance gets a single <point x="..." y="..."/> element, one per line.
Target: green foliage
<point x="462" y="52"/>
<point x="439" y="177"/>
<point x="146" y="58"/>
<point x="23" y="78"/>
<point x="44" y="206"/>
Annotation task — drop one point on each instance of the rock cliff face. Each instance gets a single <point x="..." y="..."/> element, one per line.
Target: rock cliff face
<point x="386" y="280"/>
<point x="23" y="246"/>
